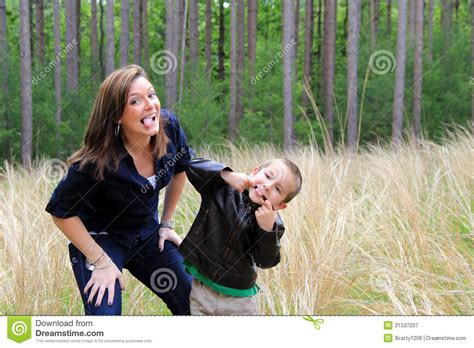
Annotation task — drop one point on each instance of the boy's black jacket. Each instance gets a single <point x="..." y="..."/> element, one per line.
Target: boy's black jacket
<point x="225" y="242"/>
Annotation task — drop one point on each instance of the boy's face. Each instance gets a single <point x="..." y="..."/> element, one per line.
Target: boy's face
<point x="272" y="183"/>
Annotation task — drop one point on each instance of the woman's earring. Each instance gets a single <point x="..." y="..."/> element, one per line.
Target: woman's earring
<point x="117" y="130"/>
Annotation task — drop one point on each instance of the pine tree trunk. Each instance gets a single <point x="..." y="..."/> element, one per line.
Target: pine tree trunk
<point x="102" y="37"/>
<point x="72" y="59"/>
<point x="418" y="69"/>
<point x="297" y="31"/>
<point x="146" y="41"/>
<point x="183" y="15"/>
<point x="446" y="24"/>
<point x="26" y="98"/>
<point x="221" y="53"/>
<point x="208" y="45"/>
<point x="308" y="47"/>
<point x="411" y="20"/>
<point x="374" y="9"/>
<point x="4" y="74"/>
<point x="137" y="38"/>
<point x="57" y="66"/>
<point x="472" y="64"/>
<point x="240" y="58"/>
<point x="124" y="31"/>
<point x="110" y="45"/>
<point x="171" y="45"/>
<point x="389" y="17"/>
<point x="398" y="97"/>
<point x="252" y="35"/>
<point x="352" y="83"/>
<point x="430" y="31"/>
<point x="40" y="51"/>
<point x="329" y="56"/>
<point x="319" y="15"/>
<point x="78" y="35"/>
<point x="94" y="42"/>
<point x="233" y="72"/>
<point x="194" y="34"/>
<point x="288" y="72"/>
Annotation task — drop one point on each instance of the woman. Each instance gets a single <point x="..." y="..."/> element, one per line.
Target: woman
<point x="107" y="203"/>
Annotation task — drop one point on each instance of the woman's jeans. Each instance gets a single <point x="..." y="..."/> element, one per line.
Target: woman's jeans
<point x="162" y="272"/>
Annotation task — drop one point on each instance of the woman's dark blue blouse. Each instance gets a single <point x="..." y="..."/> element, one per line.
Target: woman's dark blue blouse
<point x="124" y="203"/>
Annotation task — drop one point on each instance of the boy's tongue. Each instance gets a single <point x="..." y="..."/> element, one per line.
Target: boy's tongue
<point x="148" y="122"/>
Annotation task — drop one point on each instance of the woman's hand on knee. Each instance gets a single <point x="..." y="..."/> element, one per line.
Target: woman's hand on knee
<point x="104" y="279"/>
<point x="168" y="234"/>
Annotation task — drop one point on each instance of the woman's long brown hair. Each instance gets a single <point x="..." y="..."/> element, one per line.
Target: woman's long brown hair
<point x="101" y="147"/>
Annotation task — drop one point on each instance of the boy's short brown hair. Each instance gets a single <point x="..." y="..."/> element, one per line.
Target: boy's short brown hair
<point x="294" y="170"/>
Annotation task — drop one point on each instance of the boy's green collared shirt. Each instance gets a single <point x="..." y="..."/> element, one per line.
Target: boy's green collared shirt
<point x="219" y="288"/>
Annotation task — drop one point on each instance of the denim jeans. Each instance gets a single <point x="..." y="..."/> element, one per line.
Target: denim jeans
<point x="162" y="272"/>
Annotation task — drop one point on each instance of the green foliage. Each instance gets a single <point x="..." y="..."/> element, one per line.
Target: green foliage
<point x="204" y="106"/>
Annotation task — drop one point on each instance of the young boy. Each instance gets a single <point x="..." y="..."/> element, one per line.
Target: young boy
<point x="237" y="230"/>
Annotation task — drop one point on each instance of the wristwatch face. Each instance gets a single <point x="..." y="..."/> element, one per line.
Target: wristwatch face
<point x="168" y="224"/>
<point x="89" y="266"/>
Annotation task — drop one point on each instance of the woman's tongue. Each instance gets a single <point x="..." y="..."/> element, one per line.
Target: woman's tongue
<point x="148" y="122"/>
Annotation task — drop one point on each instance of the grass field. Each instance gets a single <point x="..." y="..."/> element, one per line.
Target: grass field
<point x="379" y="232"/>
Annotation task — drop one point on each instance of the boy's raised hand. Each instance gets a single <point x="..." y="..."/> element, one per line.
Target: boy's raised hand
<point x="238" y="181"/>
<point x="266" y="216"/>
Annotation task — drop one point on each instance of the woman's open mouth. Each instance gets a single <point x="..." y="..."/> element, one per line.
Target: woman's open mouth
<point x="149" y="121"/>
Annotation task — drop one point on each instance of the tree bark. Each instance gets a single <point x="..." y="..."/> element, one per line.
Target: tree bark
<point x="183" y="15"/>
<point x="297" y="31"/>
<point x="94" y="42"/>
<point x="57" y="66"/>
<point x="124" y="31"/>
<point x="72" y="59"/>
<point x="411" y="20"/>
<point x="171" y="45"/>
<point x="352" y="84"/>
<point x="308" y="47"/>
<point x="288" y="72"/>
<point x="398" y="97"/>
<point x="319" y="15"/>
<point x="208" y="45"/>
<point x="374" y="9"/>
<point x="252" y="8"/>
<point x="472" y="64"/>
<point x="240" y="57"/>
<point x="430" y="31"/>
<point x="78" y="36"/>
<point x="40" y="51"/>
<point x="102" y="36"/>
<point x="446" y="23"/>
<point x="220" y="52"/>
<point x="233" y="118"/>
<point x="417" y="69"/>
<point x="145" y="37"/>
<point x="137" y="38"/>
<point x="110" y="44"/>
<point x="389" y="17"/>
<point x="26" y="98"/>
<point x="329" y="56"/>
<point x="194" y="34"/>
<point x="4" y="75"/>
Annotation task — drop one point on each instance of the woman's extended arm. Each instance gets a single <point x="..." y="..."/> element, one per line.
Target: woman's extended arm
<point x="101" y="279"/>
<point x="173" y="192"/>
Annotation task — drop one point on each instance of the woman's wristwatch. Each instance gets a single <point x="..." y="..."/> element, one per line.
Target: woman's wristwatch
<point x="168" y="224"/>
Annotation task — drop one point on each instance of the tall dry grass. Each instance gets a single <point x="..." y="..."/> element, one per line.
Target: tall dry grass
<point x="379" y="232"/>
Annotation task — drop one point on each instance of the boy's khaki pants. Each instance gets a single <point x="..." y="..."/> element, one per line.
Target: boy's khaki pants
<point x="205" y="301"/>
